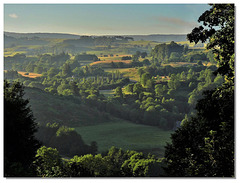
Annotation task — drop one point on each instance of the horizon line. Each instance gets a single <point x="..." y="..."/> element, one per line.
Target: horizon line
<point x="77" y="34"/>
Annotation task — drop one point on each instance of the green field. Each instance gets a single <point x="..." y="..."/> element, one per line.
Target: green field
<point x="127" y="72"/>
<point x="107" y="93"/>
<point x="179" y="64"/>
<point x="126" y="135"/>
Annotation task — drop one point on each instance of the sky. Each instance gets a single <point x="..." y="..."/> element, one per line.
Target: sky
<point x="103" y="19"/>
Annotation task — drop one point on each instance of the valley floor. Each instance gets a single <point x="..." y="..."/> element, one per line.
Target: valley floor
<point x="126" y="135"/>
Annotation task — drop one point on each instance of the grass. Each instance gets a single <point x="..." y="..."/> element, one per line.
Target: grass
<point x="107" y="93"/>
<point x="126" y="72"/>
<point x="107" y="62"/>
<point x="179" y="64"/>
<point x="68" y="111"/>
<point x="126" y="135"/>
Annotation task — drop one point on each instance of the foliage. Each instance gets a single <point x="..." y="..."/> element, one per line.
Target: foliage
<point x="20" y="144"/>
<point x="65" y="139"/>
<point x="84" y="56"/>
<point x="48" y="162"/>
<point x="115" y="163"/>
<point x="11" y="74"/>
<point x="118" y="92"/>
<point x="163" y="52"/>
<point x="204" y="145"/>
<point x="119" y="163"/>
<point x="59" y="108"/>
<point x="221" y="39"/>
<point x="190" y="155"/>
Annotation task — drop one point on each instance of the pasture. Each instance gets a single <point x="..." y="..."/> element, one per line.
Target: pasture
<point x="126" y="135"/>
<point x="107" y="93"/>
<point x="126" y="72"/>
<point x="108" y="63"/>
<point x="179" y="64"/>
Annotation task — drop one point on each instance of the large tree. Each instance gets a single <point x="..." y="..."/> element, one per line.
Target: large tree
<point x="204" y="145"/>
<point x="20" y="144"/>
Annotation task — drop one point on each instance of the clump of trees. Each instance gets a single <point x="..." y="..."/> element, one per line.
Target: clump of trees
<point x="65" y="139"/>
<point x="164" y="52"/>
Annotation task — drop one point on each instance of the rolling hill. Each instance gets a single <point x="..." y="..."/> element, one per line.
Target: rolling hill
<point x="68" y="111"/>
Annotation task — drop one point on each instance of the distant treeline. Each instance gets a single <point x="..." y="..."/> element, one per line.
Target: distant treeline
<point x="93" y="41"/>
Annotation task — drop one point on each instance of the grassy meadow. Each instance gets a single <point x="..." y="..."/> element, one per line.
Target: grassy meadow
<point x="107" y="93"/>
<point x="126" y="135"/>
<point x="126" y="72"/>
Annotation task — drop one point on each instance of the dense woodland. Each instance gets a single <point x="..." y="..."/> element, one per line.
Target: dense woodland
<point x="172" y="82"/>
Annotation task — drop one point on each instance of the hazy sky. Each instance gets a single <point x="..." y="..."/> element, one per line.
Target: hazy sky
<point x="100" y="19"/>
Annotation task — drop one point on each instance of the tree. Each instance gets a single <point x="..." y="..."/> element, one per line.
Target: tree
<point x="159" y="91"/>
<point x="174" y="82"/>
<point x="118" y="92"/>
<point x="204" y="145"/>
<point x="221" y="39"/>
<point x="129" y="88"/>
<point x="20" y="145"/>
<point x="199" y="63"/>
<point x="74" y="89"/>
<point x="143" y="54"/>
<point x="144" y="78"/>
<point x="149" y="84"/>
<point x="137" y="88"/>
<point x="146" y="62"/>
<point x="137" y="165"/>
<point x="48" y="162"/>
<point x="140" y="71"/>
<point x="66" y="70"/>
<point x="52" y="72"/>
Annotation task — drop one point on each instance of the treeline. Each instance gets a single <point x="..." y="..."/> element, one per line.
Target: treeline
<point x="115" y="163"/>
<point x="173" y="52"/>
<point x="42" y="63"/>
<point x="10" y="41"/>
<point x="100" y="40"/>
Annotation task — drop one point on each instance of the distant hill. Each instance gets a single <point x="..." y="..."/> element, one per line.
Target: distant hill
<point x="42" y="35"/>
<point x="151" y="37"/>
<point x="161" y="37"/>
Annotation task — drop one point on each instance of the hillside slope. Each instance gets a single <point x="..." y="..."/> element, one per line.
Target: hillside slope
<point x="64" y="110"/>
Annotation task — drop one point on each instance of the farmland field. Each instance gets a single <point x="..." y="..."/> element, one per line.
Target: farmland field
<point x="109" y="61"/>
<point x="127" y="72"/>
<point x="179" y="64"/>
<point x="30" y="75"/>
<point x="127" y="136"/>
<point x="107" y="93"/>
